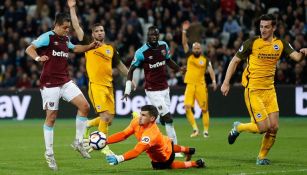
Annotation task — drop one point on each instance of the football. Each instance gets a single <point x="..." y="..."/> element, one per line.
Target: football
<point x="97" y="140"/>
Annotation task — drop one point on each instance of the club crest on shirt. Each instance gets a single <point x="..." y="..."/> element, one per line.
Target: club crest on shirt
<point x="276" y="47"/>
<point x="56" y="43"/>
<point x="163" y="52"/>
<point x="145" y="139"/>
<point x="201" y="62"/>
<point x="259" y="115"/>
<point x="98" y="107"/>
<point x="108" y="51"/>
<point x="150" y="57"/>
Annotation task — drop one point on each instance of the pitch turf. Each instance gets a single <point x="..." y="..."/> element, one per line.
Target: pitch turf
<point x="22" y="148"/>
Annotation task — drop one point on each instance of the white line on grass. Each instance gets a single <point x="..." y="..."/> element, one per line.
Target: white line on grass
<point x="267" y="172"/>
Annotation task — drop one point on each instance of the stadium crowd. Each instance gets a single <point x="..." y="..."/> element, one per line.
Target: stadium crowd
<point x="220" y="25"/>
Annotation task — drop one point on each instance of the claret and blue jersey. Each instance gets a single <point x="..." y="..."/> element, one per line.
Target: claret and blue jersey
<point x="153" y="60"/>
<point x="57" y="48"/>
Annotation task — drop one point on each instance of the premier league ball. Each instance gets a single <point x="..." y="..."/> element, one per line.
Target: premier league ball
<point x="97" y="140"/>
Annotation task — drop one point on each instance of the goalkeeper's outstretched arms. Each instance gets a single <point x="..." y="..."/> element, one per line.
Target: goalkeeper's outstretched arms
<point x="136" y="151"/>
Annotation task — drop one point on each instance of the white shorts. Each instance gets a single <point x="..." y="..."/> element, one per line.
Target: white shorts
<point x="51" y="96"/>
<point x="160" y="99"/>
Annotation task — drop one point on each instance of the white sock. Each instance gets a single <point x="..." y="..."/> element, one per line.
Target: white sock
<point x="80" y="127"/>
<point x="171" y="133"/>
<point x="48" y="136"/>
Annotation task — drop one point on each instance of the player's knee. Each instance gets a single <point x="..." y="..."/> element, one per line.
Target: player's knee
<point x="166" y="118"/>
<point x="85" y="108"/>
<point x="204" y="111"/>
<point x="274" y="128"/>
<point x="188" y="107"/>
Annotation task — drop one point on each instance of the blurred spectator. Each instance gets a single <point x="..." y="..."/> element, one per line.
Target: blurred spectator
<point x="220" y="25"/>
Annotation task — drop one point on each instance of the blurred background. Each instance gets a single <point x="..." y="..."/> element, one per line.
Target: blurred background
<point x="219" y="25"/>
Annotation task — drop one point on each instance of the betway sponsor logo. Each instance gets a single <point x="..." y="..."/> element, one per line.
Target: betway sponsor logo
<point x="9" y="104"/>
<point x="135" y="103"/>
<point x="59" y="54"/>
<point x="157" y="64"/>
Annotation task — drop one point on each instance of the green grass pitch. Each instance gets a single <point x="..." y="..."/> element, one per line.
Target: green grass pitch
<point x="22" y="148"/>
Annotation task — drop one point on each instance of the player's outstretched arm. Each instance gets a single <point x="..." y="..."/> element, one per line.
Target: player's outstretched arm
<point x="84" y="48"/>
<point x="135" y="152"/>
<point x="31" y="51"/>
<point x="129" y="84"/>
<point x="185" y="27"/>
<point x="230" y="71"/>
<point x="212" y="76"/>
<point x="74" y="19"/>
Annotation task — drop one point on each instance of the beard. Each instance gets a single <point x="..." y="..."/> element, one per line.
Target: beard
<point x="196" y="55"/>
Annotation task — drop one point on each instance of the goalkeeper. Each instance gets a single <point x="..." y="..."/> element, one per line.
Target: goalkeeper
<point x="158" y="147"/>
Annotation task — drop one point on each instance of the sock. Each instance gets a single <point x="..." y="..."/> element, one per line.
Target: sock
<point x="93" y="122"/>
<point x="206" y="120"/>
<point x="48" y="136"/>
<point x="180" y="164"/>
<point x="248" y="127"/>
<point x="80" y="127"/>
<point x="267" y="143"/>
<point x="103" y="127"/>
<point x="191" y="119"/>
<point x="171" y="133"/>
<point x="181" y="149"/>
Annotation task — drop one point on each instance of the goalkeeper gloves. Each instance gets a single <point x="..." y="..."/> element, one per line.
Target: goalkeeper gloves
<point x="114" y="159"/>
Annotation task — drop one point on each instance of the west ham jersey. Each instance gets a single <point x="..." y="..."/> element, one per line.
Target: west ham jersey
<point x="153" y="60"/>
<point x="56" y="47"/>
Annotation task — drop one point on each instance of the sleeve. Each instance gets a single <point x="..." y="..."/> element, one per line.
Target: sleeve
<point x="245" y="50"/>
<point x="116" y="58"/>
<point x="288" y="49"/>
<point x="42" y="40"/>
<point x="136" y="151"/>
<point x="120" y="136"/>
<point x="138" y="59"/>
<point x="70" y="45"/>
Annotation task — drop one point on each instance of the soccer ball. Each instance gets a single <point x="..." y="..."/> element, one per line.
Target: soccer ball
<point x="97" y="140"/>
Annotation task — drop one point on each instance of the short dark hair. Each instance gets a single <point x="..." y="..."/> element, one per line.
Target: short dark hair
<point x="153" y="28"/>
<point x="60" y="18"/>
<point x="96" y="25"/>
<point x="152" y="110"/>
<point x="268" y="17"/>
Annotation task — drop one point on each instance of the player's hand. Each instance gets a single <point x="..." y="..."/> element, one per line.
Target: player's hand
<point x="43" y="58"/>
<point x="128" y="88"/>
<point x="71" y="3"/>
<point x="87" y="146"/>
<point x="95" y="45"/>
<point x="114" y="159"/>
<point x="304" y="51"/>
<point x="225" y="89"/>
<point x="185" y="25"/>
<point x="214" y="86"/>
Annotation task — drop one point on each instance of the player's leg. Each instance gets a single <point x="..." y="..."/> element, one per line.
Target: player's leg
<point x="186" y="150"/>
<point x="105" y="121"/>
<point x="202" y="100"/>
<point x="269" y="137"/>
<point x="71" y="93"/>
<point x="259" y="122"/>
<point x="50" y="97"/>
<point x="188" y="104"/>
<point x="200" y="163"/>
